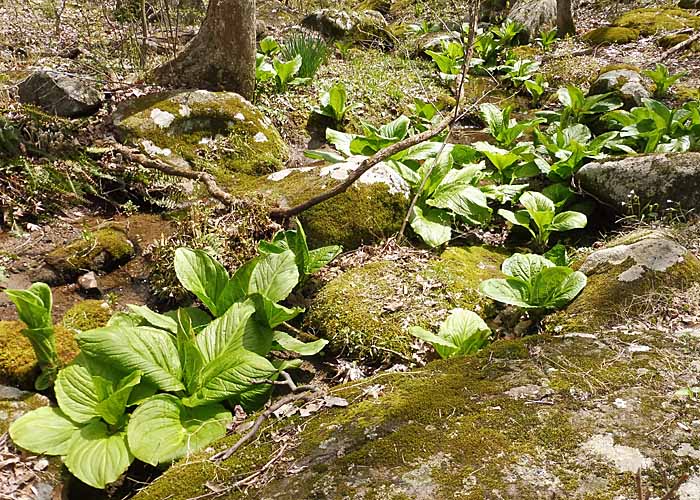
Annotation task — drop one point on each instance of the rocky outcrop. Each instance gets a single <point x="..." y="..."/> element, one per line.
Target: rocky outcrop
<point x="626" y="84"/>
<point x="219" y="129"/>
<point x="667" y="180"/>
<point x="366" y="311"/>
<point x="60" y="93"/>
<point x="610" y="35"/>
<point x="368" y="26"/>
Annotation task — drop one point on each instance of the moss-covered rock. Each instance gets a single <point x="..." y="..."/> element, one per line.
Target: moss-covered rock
<point x="611" y="35"/>
<point x="567" y="418"/>
<point x="86" y="315"/>
<point x="371" y="210"/>
<point x="571" y="70"/>
<point x="366" y="312"/>
<point x="220" y="131"/>
<point x="672" y="40"/>
<point x="631" y="279"/>
<point x="361" y="26"/>
<point x="102" y="250"/>
<point x="626" y="84"/>
<point x="652" y="20"/>
<point x="18" y="366"/>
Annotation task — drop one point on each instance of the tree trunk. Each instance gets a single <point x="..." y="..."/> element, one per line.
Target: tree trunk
<point x="221" y="56"/>
<point x="565" y="21"/>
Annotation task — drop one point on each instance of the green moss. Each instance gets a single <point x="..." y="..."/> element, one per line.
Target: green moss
<point x="619" y="66"/>
<point x="434" y="427"/>
<point x="571" y="70"/>
<point x="686" y="93"/>
<point x="611" y="35"/>
<point x="86" y="315"/>
<point x="366" y="311"/>
<point x="606" y="301"/>
<point x="102" y="250"/>
<point x="649" y="21"/>
<point x="365" y="213"/>
<point x="220" y="132"/>
<point x="506" y="349"/>
<point x="18" y="365"/>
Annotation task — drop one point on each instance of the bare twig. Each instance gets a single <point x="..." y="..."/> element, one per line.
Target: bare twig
<point x="680" y="46"/>
<point x="204" y="177"/>
<point x="308" y="395"/>
<point x="473" y="18"/>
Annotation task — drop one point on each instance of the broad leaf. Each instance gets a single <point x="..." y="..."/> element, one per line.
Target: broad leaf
<point x="289" y="343"/>
<point x="162" y="429"/>
<point x="98" y="457"/>
<point x="33" y="305"/>
<point x="226" y="332"/>
<point x="567" y="221"/>
<point x="273" y="314"/>
<point x="466" y="201"/>
<point x="111" y="408"/>
<point x="203" y="276"/>
<point x="431" y="338"/>
<point x="76" y="393"/>
<point x="320" y="257"/>
<point x="433" y="226"/>
<point x="274" y="276"/>
<point x="44" y="430"/>
<point x="466" y="330"/>
<point x="154" y="319"/>
<point x="512" y="291"/>
<point x="540" y="208"/>
<point x="524" y="266"/>
<point x="151" y="351"/>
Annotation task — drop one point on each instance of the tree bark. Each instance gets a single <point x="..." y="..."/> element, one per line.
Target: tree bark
<point x="221" y="56"/>
<point x="565" y="20"/>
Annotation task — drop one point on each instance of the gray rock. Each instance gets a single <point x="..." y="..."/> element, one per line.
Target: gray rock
<point x="60" y="94"/>
<point x="625" y="83"/>
<point x="667" y="179"/>
<point x="362" y="26"/>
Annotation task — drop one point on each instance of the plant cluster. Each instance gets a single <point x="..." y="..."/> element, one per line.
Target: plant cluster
<point x="294" y="62"/>
<point x="153" y="386"/>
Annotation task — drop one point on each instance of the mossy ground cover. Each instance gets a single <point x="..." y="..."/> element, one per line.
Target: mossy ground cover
<point x="653" y="20"/>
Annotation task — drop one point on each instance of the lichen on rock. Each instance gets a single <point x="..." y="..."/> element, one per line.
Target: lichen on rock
<point x="219" y="131"/>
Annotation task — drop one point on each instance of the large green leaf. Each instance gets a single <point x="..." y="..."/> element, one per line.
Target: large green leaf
<point x="292" y="344"/>
<point x="466" y="330"/>
<point x="111" y="408"/>
<point x="153" y="318"/>
<point x="397" y="129"/>
<point x="540" y="208"/>
<point x="191" y="357"/>
<point x="271" y="313"/>
<point x="76" y="393"/>
<point x="33" y="305"/>
<point x="566" y="221"/>
<point x="162" y="429"/>
<point x="203" y="276"/>
<point x="44" y="430"/>
<point x="226" y="332"/>
<point x="320" y="257"/>
<point x="466" y="201"/>
<point x="525" y="265"/>
<point x="557" y="286"/>
<point x="431" y="338"/>
<point x="512" y="291"/>
<point x="433" y="225"/>
<point x="274" y="276"/>
<point x="235" y="373"/>
<point x="98" y="457"/>
<point x="151" y="351"/>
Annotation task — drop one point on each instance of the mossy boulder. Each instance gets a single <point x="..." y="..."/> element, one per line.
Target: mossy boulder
<point x="220" y="131"/>
<point x="371" y="210"/>
<point x="27" y="475"/>
<point x="626" y="84"/>
<point x="567" y="418"/>
<point x="577" y="70"/>
<point x="611" y="35"/>
<point x="86" y="315"/>
<point x="101" y="250"/>
<point x="629" y="280"/>
<point x="672" y="40"/>
<point x="366" y="311"/>
<point x="657" y="181"/>
<point x="18" y="366"/>
<point x="653" y="20"/>
<point x="362" y="26"/>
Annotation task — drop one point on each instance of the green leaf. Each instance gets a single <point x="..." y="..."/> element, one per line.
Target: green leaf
<point x="238" y="373"/>
<point x="466" y="330"/>
<point x="33" y="305"/>
<point x="98" y="457"/>
<point x="567" y="290"/>
<point x="566" y="221"/>
<point x="44" y="430"/>
<point x="111" y="409"/>
<point x="558" y="255"/>
<point x="512" y="291"/>
<point x="519" y="218"/>
<point x="466" y="201"/>
<point x="274" y="276"/>
<point x="162" y="429"/>
<point x="545" y="286"/>
<point x="320" y="257"/>
<point x="539" y="207"/>
<point x="285" y="71"/>
<point x="397" y="129"/>
<point x="340" y="140"/>
<point x="271" y="313"/>
<point x="289" y="343"/>
<point x="76" y="393"/>
<point x="433" y="226"/>
<point x="153" y="318"/>
<point x="225" y="333"/>
<point x="203" y="276"/>
<point x="431" y="338"/>
<point x="151" y="351"/>
<point x="525" y="265"/>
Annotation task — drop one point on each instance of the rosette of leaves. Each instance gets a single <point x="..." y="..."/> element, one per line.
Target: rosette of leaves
<point x="34" y="309"/>
<point x="462" y="333"/>
<point x="153" y="386"/>
<point x="534" y="282"/>
<point x="540" y="217"/>
<point x="334" y="104"/>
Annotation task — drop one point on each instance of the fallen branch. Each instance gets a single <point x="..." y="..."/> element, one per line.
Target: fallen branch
<point x="308" y="394"/>
<point x="204" y="177"/>
<point x="680" y="46"/>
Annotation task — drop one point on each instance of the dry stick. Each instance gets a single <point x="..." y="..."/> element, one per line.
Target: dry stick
<point x="473" y="16"/>
<point x="204" y="177"/>
<point x="310" y="394"/>
<point x="679" y="46"/>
